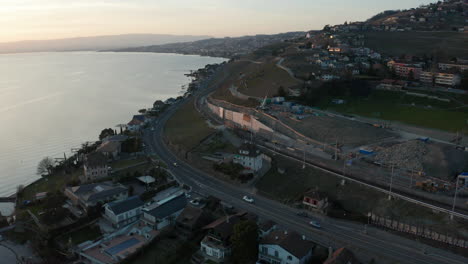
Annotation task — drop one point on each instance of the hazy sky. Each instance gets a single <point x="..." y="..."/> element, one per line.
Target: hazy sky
<point x="47" y="19"/>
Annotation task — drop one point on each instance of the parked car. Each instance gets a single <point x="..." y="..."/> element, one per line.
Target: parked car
<point x="315" y="224"/>
<point x="175" y="164"/>
<point x="248" y="199"/>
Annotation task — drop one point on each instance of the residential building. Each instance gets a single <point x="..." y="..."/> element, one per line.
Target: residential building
<point x="125" y="212"/>
<point x="136" y="123"/>
<point x="342" y="256"/>
<point x="249" y="157"/>
<point x="405" y="69"/>
<point x="111" y="149"/>
<point x="91" y="194"/>
<point x="158" y="105"/>
<point x="392" y="85"/>
<point x="315" y="200"/>
<point x="295" y="92"/>
<point x="95" y="167"/>
<point x="115" y="248"/>
<point x="119" y="138"/>
<point x="160" y="215"/>
<point x="285" y="247"/>
<point x="266" y="227"/>
<point x="440" y="78"/>
<point x="449" y="66"/>
<point x="190" y="220"/>
<point x="216" y="245"/>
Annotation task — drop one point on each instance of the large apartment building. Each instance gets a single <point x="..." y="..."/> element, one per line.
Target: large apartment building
<point x="448" y="66"/>
<point x="405" y="69"/>
<point x="440" y="78"/>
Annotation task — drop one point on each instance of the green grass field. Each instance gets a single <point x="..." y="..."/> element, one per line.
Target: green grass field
<point x="81" y="235"/>
<point x="395" y="106"/>
<point x="187" y="127"/>
<point x="55" y="182"/>
<point x="452" y="44"/>
<point x="265" y="79"/>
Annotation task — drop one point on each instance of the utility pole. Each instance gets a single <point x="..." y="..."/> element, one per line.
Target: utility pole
<point x="411" y="182"/>
<point x="391" y="183"/>
<point x="455" y="196"/>
<point x="303" y="163"/>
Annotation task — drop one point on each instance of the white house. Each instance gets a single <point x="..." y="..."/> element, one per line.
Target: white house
<point x="122" y="213"/>
<point x="216" y="245"/>
<point x="249" y="157"/>
<point x="160" y="215"/>
<point x="284" y="247"/>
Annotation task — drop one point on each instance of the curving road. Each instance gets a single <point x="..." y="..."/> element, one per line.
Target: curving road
<point x="335" y="233"/>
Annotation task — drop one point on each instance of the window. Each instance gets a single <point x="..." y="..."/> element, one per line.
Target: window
<point x="276" y="253"/>
<point x="265" y="250"/>
<point x="289" y="257"/>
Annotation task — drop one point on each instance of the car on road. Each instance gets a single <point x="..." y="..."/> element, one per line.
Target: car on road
<point x="315" y="224"/>
<point x="195" y="202"/>
<point x="175" y="164"/>
<point x="248" y="199"/>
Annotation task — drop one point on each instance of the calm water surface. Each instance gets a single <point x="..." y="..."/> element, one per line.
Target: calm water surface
<point x="51" y="102"/>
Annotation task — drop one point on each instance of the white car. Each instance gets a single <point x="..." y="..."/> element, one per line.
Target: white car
<point x="248" y="199"/>
<point x="195" y="202"/>
<point x="315" y="224"/>
<point x="175" y="164"/>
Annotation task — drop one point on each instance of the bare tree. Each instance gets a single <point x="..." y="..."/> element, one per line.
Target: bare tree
<point x="45" y="166"/>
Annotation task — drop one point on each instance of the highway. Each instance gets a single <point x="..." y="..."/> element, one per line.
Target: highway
<point x="335" y="233"/>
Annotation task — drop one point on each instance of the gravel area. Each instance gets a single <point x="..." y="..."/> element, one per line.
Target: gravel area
<point x="407" y="155"/>
<point x="329" y="129"/>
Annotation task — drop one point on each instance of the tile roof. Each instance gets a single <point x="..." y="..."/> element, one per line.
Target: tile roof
<point x="126" y="205"/>
<point x="96" y="191"/>
<point x="190" y="216"/>
<point x="96" y="159"/>
<point x="289" y="241"/>
<point x="109" y="146"/>
<point x="341" y="256"/>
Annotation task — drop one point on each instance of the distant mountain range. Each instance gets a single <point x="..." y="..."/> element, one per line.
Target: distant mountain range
<point x="218" y="47"/>
<point x="94" y="43"/>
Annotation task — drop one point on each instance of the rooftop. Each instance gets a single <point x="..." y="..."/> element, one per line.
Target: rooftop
<point x="126" y="205"/>
<point x="109" y="146"/>
<point x="289" y="241"/>
<point x="168" y="208"/>
<point x="96" y="191"/>
<point x="96" y="159"/>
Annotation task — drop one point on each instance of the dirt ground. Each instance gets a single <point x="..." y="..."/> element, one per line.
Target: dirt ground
<point x="434" y="159"/>
<point x="329" y="129"/>
<point x="445" y="162"/>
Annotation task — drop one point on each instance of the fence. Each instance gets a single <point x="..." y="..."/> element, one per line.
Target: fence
<point x="418" y="230"/>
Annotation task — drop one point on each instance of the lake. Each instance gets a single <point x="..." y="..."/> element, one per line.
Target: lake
<point x="52" y="102"/>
